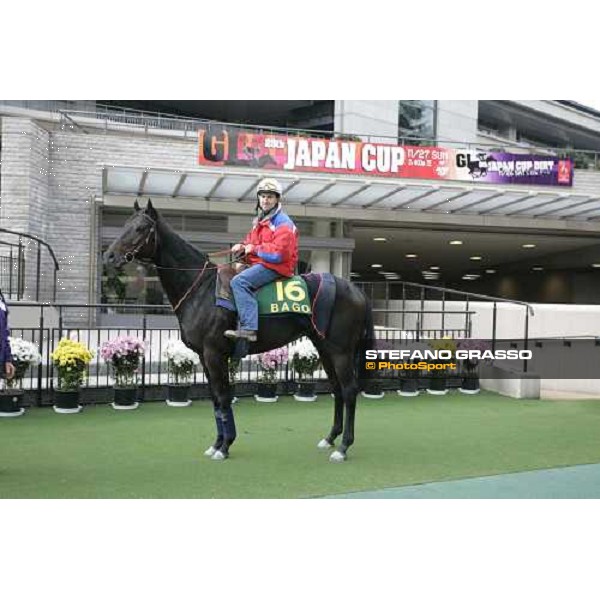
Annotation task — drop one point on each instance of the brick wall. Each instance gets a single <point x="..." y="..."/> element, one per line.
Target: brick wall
<point x="49" y="179"/>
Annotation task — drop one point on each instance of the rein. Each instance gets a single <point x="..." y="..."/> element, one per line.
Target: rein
<point x="130" y="256"/>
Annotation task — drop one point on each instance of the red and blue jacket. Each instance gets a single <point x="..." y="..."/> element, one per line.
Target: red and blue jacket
<point x="275" y="241"/>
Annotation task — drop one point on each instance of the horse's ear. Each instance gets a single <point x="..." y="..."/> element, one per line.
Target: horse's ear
<point x="151" y="211"/>
<point x="136" y="206"/>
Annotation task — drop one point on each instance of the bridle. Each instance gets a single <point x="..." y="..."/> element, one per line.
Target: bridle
<point x="132" y="254"/>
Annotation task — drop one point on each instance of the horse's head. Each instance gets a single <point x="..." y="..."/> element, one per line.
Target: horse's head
<point x="137" y="240"/>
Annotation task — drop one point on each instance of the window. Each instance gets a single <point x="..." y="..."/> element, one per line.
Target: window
<point x="416" y="122"/>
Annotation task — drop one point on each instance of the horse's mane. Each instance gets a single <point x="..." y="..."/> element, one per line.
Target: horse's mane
<point x="181" y="250"/>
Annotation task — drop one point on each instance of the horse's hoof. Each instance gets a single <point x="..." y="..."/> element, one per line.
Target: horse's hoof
<point x="324" y="444"/>
<point x="210" y="451"/>
<point x="337" y="457"/>
<point x="218" y="455"/>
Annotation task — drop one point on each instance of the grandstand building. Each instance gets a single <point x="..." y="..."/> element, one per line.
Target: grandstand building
<point x="516" y="182"/>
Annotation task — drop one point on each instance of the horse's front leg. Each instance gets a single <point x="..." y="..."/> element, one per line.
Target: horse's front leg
<point x="217" y="412"/>
<point x="218" y="375"/>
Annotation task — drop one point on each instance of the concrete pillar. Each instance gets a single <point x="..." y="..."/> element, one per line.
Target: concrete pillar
<point x="457" y="122"/>
<point x="377" y="120"/>
<point x="239" y="224"/>
<point x="320" y="260"/>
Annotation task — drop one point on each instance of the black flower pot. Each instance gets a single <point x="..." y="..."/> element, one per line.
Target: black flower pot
<point x="266" y="392"/>
<point x="409" y="387"/>
<point x="11" y="403"/>
<point x="305" y="391"/>
<point x="372" y="389"/>
<point x="66" y="402"/>
<point x="125" y="398"/>
<point x="437" y="386"/>
<point x="178" y="394"/>
<point x="470" y="384"/>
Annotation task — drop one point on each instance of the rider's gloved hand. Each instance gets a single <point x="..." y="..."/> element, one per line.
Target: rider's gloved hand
<point x="248" y="248"/>
<point x="237" y="248"/>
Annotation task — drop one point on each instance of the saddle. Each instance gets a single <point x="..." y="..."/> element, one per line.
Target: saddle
<point x="225" y="273"/>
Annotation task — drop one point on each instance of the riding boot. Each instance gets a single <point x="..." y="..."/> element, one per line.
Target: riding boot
<point x="245" y="334"/>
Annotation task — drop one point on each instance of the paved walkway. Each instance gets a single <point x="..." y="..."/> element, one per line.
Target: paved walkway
<point x="581" y="481"/>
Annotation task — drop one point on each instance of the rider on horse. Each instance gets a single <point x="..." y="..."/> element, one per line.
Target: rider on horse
<point x="271" y="250"/>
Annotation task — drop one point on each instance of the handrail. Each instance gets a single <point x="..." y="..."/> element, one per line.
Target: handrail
<point x="153" y="120"/>
<point x="21" y="270"/>
<point x="451" y="291"/>
<point x="37" y="239"/>
<point x="108" y="112"/>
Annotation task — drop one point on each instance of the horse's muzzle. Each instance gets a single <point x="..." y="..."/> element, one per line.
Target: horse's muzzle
<point x="110" y="258"/>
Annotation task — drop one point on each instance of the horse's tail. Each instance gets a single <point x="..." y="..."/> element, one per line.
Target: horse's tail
<point x="366" y="342"/>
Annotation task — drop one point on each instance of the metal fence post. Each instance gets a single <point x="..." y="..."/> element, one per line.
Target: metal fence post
<point x="41" y="351"/>
<point x="20" y="278"/>
<point x="143" y="387"/>
<point x="494" y="327"/>
<point x="526" y="336"/>
<point x="37" y="273"/>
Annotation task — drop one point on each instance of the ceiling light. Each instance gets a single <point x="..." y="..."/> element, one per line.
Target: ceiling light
<point x="537" y="268"/>
<point x="596" y="265"/>
<point x="455" y="243"/>
<point x="411" y="255"/>
<point x="475" y="257"/>
<point x="490" y="271"/>
<point x="528" y="246"/>
<point x="380" y="239"/>
<point x="434" y="268"/>
<point x="377" y="266"/>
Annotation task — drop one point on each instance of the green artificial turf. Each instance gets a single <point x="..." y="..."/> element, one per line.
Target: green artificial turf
<point x="156" y="451"/>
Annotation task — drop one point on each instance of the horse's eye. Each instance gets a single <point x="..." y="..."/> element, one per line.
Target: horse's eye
<point x="139" y="229"/>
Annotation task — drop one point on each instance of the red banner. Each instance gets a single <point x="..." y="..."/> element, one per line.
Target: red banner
<point x="225" y="146"/>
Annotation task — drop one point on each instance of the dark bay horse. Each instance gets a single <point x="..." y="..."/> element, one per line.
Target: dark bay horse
<point x="188" y="279"/>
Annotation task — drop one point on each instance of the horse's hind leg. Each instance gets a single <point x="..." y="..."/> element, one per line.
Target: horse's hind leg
<point x="338" y="409"/>
<point x="344" y="369"/>
<point x="219" y="379"/>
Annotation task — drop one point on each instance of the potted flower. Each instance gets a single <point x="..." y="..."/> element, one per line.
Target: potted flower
<point x="437" y="381"/>
<point x="71" y="360"/>
<point x="305" y="361"/>
<point x="124" y="354"/>
<point x="470" y="381"/>
<point x="24" y="355"/>
<point x="181" y="364"/>
<point x="409" y="381"/>
<point x="370" y="384"/>
<point x="268" y="363"/>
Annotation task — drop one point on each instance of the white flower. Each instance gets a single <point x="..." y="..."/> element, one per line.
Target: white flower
<point x="24" y="351"/>
<point x="177" y="352"/>
<point x="304" y="349"/>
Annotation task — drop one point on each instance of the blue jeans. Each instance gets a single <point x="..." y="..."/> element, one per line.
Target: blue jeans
<point x="244" y="286"/>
